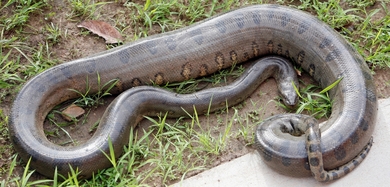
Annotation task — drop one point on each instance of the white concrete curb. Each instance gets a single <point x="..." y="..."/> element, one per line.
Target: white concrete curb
<point x="249" y="170"/>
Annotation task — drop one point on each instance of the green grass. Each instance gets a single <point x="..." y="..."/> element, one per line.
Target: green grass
<point x="313" y="100"/>
<point x="84" y="8"/>
<point x="22" y="9"/>
<point x="169" y="149"/>
<point x="369" y="36"/>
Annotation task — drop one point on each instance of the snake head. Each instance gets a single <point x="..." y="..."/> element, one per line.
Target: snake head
<point x="288" y="93"/>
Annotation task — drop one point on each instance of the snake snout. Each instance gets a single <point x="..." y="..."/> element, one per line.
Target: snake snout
<point x="290" y="98"/>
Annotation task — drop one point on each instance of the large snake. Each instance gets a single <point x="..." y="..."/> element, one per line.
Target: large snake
<point x="195" y="51"/>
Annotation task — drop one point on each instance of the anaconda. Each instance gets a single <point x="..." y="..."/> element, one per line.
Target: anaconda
<point x="199" y="50"/>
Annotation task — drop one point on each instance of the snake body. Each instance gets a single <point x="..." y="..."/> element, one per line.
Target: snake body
<point x="195" y="51"/>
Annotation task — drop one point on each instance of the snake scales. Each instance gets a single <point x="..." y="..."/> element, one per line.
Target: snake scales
<point x="198" y="50"/>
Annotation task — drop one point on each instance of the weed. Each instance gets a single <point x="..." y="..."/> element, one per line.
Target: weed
<point x="5" y="148"/>
<point x="21" y="13"/>
<point x="87" y="100"/>
<point x="24" y="180"/>
<point x="54" y="33"/>
<point x="316" y="104"/>
<point x="84" y="8"/>
<point x="8" y="74"/>
<point x="60" y="126"/>
<point x="361" y="3"/>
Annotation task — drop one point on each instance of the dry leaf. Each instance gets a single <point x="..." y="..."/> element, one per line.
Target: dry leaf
<point x="103" y="29"/>
<point x="299" y="72"/>
<point x="72" y="111"/>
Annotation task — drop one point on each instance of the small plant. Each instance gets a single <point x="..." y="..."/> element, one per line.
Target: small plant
<point x="316" y="104"/>
<point x="53" y="121"/>
<point x="21" y="14"/>
<point x="84" y="8"/>
<point x="54" y="33"/>
<point x="88" y="100"/>
<point x="361" y="3"/>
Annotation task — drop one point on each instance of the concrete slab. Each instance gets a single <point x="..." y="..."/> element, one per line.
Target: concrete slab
<point x="250" y="170"/>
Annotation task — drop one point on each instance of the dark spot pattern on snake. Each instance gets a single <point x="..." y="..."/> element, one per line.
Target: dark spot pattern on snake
<point x="159" y="78"/>
<point x="301" y="57"/>
<point x="367" y="75"/>
<point x="363" y="155"/>
<point x="325" y="43"/>
<point x="66" y="72"/>
<point x="335" y="175"/>
<point x="270" y="15"/>
<point x="255" y="49"/>
<point x="91" y="67"/>
<point x="220" y="25"/>
<point x="246" y="56"/>
<point x="270" y="46"/>
<point x="279" y="49"/>
<point x="220" y="60"/>
<point x="124" y="56"/>
<point x="204" y="70"/>
<point x="370" y="95"/>
<point x="286" y="161"/>
<point x="287" y="53"/>
<point x="171" y="43"/>
<point x="332" y="55"/>
<point x="285" y="19"/>
<point x="359" y="61"/>
<point x="346" y="170"/>
<point x="314" y="148"/>
<point x="314" y="161"/>
<point x="197" y="36"/>
<point x="354" y="138"/>
<point x="322" y="174"/>
<point x="53" y="79"/>
<point x="136" y="82"/>
<point x="239" y="19"/>
<point x="355" y="163"/>
<point x="233" y="56"/>
<point x="151" y="46"/>
<point x="364" y="125"/>
<point x="340" y="153"/>
<point x="256" y="18"/>
<point x="303" y="27"/>
<point x="285" y="147"/>
<point x="41" y="88"/>
<point x="312" y="69"/>
<point x="186" y="71"/>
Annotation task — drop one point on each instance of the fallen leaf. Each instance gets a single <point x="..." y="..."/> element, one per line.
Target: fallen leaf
<point x="72" y="111"/>
<point x="299" y="72"/>
<point x="103" y="29"/>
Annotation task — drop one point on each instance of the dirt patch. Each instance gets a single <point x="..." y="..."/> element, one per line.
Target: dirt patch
<point x="382" y="83"/>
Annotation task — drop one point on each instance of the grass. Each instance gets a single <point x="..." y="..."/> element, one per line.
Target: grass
<point x="168" y="150"/>
<point x="21" y="12"/>
<point x="84" y="8"/>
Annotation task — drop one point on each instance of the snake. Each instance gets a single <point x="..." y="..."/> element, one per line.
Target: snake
<point x="292" y="144"/>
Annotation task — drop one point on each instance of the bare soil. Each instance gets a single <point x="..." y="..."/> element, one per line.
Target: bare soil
<point x="76" y="45"/>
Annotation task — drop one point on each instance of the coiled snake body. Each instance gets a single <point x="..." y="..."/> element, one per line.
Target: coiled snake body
<point x="195" y="51"/>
